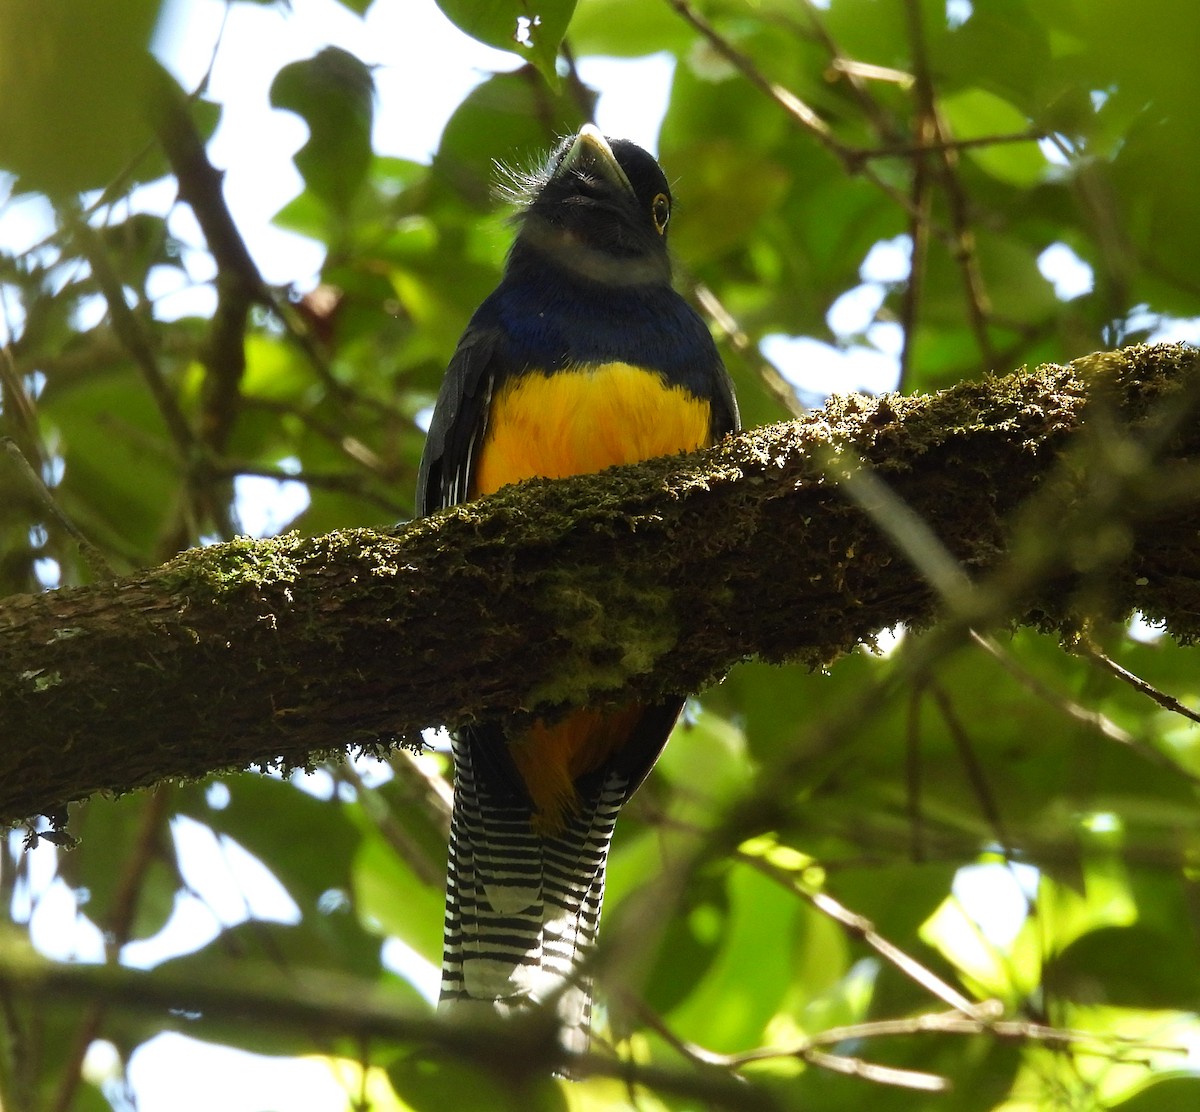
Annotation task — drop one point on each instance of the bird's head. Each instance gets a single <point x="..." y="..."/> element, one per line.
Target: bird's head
<point x="599" y="208"/>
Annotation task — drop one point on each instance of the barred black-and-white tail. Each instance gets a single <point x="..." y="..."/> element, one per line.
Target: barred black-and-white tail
<point x="522" y="909"/>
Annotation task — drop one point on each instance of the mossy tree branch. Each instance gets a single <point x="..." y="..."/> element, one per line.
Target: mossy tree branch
<point x="636" y="582"/>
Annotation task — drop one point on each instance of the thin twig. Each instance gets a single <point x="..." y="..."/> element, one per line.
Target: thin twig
<point x="350" y="446"/>
<point x="1093" y="719"/>
<point x="339" y="482"/>
<point x="403" y="844"/>
<point x="809" y="1052"/>
<point x="952" y="1023"/>
<point x="809" y="1049"/>
<point x="865" y="71"/>
<point x="343" y="483"/>
<point x="788" y="101"/>
<point x="972" y="766"/>
<point x="861" y="927"/>
<point x="918" y="232"/>
<point x="1087" y="648"/>
<point x="577" y="88"/>
<point x="770" y="375"/>
<point x="239" y="283"/>
<point x="17" y="402"/>
<point x="978" y="305"/>
<point x="430" y="789"/>
<point x="912" y="776"/>
<point x="693" y="1052"/>
<point x="801" y="113"/>
<point x="872" y="1071"/>
<point x="944" y="143"/>
<point x="905" y="528"/>
<point x="93" y="557"/>
<point x="200" y="186"/>
<point x="856" y="77"/>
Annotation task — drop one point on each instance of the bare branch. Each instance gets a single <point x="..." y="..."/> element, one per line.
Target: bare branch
<point x="519" y="1050"/>
<point x="118" y="929"/>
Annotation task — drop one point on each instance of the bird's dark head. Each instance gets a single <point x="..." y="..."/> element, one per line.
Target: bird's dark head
<point x="599" y="208"/>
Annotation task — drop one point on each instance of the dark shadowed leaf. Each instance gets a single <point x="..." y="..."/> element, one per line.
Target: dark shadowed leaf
<point x="334" y="93"/>
<point x="1130" y="967"/>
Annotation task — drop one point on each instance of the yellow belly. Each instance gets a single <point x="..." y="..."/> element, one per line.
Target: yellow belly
<point x="572" y="423"/>
<point x="576" y="422"/>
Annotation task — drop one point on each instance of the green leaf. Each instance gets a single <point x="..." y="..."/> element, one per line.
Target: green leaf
<point x="1006" y="50"/>
<point x="739" y="992"/>
<point x="309" y="843"/>
<point x="113" y="834"/>
<point x="429" y="1083"/>
<point x="1178" y="1093"/>
<point x="705" y="764"/>
<point x="89" y="1098"/>
<point x="897" y="899"/>
<point x="120" y="477"/>
<point x="334" y="93"/>
<point x="531" y="28"/>
<point x="390" y="897"/>
<point x="709" y="173"/>
<point x="619" y="29"/>
<point x="976" y="114"/>
<point x="135" y="245"/>
<point x="74" y="83"/>
<point x="512" y="118"/>
<point x="692" y="941"/>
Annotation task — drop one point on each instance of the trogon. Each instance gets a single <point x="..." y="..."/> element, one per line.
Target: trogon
<point x="583" y="357"/>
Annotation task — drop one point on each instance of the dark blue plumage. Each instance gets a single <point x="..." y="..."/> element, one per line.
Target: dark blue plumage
<point x="582" y="357"/>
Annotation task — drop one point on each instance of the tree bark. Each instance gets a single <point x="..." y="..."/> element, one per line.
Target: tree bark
<point x="639" y="581"/>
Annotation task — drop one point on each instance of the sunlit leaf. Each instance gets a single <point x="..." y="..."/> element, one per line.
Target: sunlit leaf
<point x="533" y="31"/>
<point x="978" y="114"/>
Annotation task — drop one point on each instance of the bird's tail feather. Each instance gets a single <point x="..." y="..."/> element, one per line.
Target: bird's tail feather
<point x="522" y="909"/>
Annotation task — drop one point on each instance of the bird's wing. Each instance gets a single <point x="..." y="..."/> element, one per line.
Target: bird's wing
<point x="459" y="420"/>
<point x="446" y="476"/>
<point x="726" y="417"/>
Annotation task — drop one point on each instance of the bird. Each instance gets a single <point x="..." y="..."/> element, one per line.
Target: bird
<point x="583" y="357"/>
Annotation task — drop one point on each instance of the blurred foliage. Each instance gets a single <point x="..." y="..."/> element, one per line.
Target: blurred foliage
<point x="1024" y="825"/>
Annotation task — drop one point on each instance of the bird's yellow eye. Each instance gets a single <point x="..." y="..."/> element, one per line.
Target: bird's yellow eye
<point x="661" y="210"/>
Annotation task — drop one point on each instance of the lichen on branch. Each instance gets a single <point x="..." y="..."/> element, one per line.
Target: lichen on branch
<point x="639" y="581"/>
